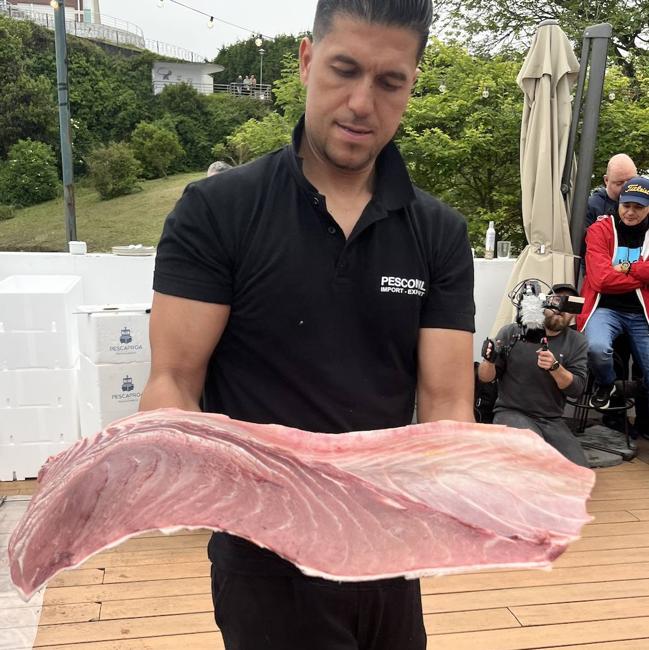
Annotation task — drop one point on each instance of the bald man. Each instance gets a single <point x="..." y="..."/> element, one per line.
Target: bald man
<point x="604" y="200"/>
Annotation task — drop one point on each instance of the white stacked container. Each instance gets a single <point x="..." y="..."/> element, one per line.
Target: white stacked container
<point x="38" y="378"/>
<point x="114" y="363"/>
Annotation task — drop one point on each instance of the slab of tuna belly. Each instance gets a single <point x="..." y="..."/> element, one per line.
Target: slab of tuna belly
<point x="426" y="499"/>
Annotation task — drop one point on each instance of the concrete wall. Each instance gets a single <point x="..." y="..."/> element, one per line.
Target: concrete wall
<point x="122" y="279"/>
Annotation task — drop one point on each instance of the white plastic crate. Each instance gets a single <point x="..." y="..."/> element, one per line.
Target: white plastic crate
<point x="38" y="406"/>
<point x="114" y="333"/>
<point x="108" y="392"/>
<point x="37" y="324"/>
<point x="19" y="462"/>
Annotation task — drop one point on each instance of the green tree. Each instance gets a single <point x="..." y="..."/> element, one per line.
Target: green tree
<point x="460" y="137"/>
<point x="255" y="138"/>
<point x="114" y="170"/>
<point x="493" y="24"/>
<point x="29" y="176"/>
<point x="156" y="148"/>
<point x="243" y="58"/>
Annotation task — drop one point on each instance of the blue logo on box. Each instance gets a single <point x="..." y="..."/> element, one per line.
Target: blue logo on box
<point x="125" y="336"/>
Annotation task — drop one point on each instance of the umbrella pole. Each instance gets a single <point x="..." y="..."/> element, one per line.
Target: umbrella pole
<point x="598" y="37"/>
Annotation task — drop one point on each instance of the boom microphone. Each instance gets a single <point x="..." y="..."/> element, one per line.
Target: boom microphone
<point x="532" y="315"/>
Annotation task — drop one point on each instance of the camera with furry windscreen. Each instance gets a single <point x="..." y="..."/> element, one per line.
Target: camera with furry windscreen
<point x="531" y="298"/>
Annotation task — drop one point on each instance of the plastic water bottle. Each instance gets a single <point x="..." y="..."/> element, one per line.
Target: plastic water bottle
<point x="490" y="242"/>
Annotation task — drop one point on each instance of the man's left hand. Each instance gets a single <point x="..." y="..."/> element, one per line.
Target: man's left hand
<point x="545" y="358"/>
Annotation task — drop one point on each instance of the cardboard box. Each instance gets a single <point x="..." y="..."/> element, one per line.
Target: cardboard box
<point x="108" y="392"/>
<point x="38" y="406"/>
<point x="37" y="324"/>
<point x="114" y="333"/>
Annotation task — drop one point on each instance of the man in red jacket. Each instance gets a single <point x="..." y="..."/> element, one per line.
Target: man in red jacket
<point x="616" y="287"/>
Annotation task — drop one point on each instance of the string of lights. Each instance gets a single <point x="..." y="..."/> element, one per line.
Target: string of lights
<point x="212" y="19"/>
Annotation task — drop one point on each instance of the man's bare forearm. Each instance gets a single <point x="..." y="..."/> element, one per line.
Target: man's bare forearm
<point x="167" y="391"/>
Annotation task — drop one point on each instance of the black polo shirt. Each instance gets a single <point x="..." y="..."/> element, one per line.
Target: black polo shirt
<point x="323" y="330"/>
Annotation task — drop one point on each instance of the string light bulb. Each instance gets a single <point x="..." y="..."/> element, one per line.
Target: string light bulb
<point x="54" y="4"/>
<point x="210" y="22"/>
<point x="161" y="4"/>
<point x="259" y="41"/>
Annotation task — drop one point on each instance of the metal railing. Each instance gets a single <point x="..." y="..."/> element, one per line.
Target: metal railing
<point x="260" y="91"/>
<point x="110" y="30"/>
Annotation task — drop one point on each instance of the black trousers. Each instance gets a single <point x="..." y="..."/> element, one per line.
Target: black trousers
<point x="301" y="613"/>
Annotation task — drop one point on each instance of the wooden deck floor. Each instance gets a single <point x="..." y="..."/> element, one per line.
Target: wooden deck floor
<point x="153" y="592"/>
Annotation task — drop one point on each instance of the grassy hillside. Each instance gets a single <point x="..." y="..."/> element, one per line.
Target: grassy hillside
<point x="133" y="219"/>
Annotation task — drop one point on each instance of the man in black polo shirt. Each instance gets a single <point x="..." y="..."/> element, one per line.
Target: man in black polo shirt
<point x="317" y="288"/>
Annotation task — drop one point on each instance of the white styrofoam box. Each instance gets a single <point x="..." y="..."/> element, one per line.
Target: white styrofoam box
<point x="37" y="324"/>
<point x="18" y="462"/>
<point x="109" y="391"/>
<point x="114" y="333"/>
<point x="38" y="406"/>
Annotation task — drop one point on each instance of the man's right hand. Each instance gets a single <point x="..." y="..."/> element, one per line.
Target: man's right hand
<point x="490" y="350"/>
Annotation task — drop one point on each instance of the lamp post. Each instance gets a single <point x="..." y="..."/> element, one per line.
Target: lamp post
<point x="60" y="45"/>
<point x="259" y="42"/>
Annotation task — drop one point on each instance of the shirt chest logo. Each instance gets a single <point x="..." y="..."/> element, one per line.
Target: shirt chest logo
<point x="405" y="286"/>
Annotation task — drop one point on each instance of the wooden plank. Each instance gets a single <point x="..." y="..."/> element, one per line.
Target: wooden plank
<point x="15" y="617"/>
<point x="157" y="572"/>
<point x="140" y="558"/>
<point x="490" y="619"/>
<point x="200" y="641"/>
<point x="166" y="542"/>
<point x="617" y="504"/>
<point x="613" y="517"/>
<point x="518" y="596"/>
<point x="471" y="582"/>
<point x="642" y="515"/>
<point x="598" y="610"/>
<point x="606" y="530"/>
<point x="595" y="558"/>
<point x="619" y="494"/>
<point x="156" y="606"/>
<point x="126" y="591"/>
<point x="546" y="636"/>
<point x="634" y="644"/>
<point x="76" y="577"/>
<point x="123" y="629"/>
<point x="612" y="542"/>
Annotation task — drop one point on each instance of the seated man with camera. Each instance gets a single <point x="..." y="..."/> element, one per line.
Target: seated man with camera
<point x="539" y="361"/>
<point x="616" y="287"/>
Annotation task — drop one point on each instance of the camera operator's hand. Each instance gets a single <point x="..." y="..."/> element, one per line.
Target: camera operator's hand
<point x="545" y="359"/>
<point x="490" y="350"/>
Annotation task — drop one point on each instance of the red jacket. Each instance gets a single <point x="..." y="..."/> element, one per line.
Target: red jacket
<point x="601" y="277"/>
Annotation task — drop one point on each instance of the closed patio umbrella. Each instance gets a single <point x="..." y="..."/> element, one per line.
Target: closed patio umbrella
<point x="546" y="79"/>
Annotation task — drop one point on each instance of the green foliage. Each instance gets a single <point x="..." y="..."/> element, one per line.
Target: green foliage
<point x="490" y="24"/>
<point x="290" y="94"/>
<point x="255" y="138"/>
<point x="624" y="120"/>
<point x="156" y="148"/>
<point x="7" y="212"/>
<point x="109" y="93"/>
<point x="29" y="175"/>
<point x="226" y="112"/>
<point x="114" y="170"/>
<point x="243" y="58"/>
<point x="463" y="146"/>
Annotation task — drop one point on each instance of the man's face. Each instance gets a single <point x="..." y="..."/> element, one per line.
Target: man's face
<point x="358" y="79"/>
<point x="632" y="214"/>
<point x="617" y="176"/>
<point x="557" y="321"/>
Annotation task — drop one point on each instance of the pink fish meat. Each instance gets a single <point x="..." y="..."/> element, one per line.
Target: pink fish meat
<point x="426" y="499"/>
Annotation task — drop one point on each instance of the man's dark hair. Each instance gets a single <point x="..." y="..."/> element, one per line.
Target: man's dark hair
<point x="416" y="15"/>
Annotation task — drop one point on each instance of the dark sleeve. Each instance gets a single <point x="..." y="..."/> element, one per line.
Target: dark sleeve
<point x="193" y="258"/>
<point x="503" y="340"/>
<point x="449" y="303"/>
<point x="577" y="364"/>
